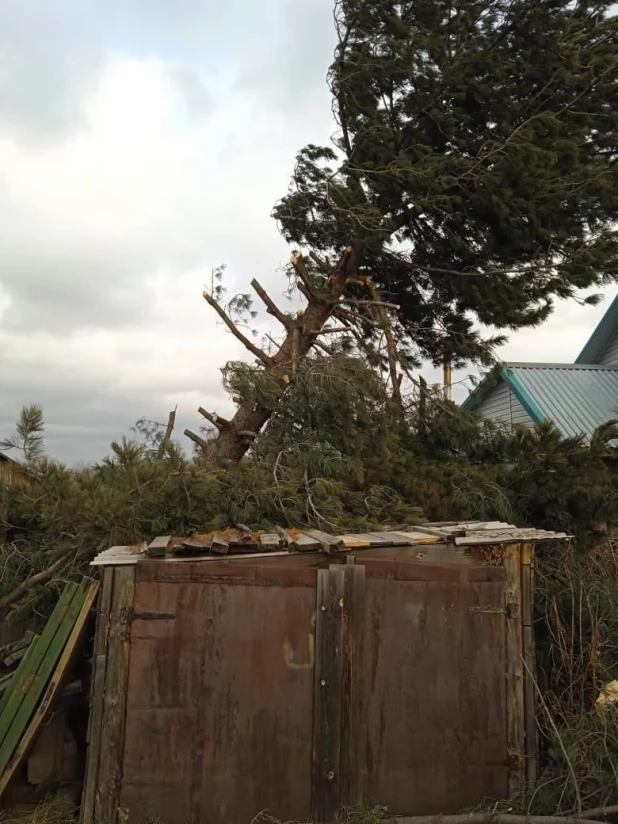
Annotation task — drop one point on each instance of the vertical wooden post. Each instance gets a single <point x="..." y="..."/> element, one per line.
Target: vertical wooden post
<point x="111" y="744"/>
<point x="514" y="670"/>
<point x="328" y="694"/>
<point x="352" y="738"/>
<point x="97" y="696"/>
<point x="527" y="608"/>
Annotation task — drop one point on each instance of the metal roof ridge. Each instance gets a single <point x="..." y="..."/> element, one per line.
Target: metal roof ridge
<point x="568" y="366"/>
<point x="603" y="333"/>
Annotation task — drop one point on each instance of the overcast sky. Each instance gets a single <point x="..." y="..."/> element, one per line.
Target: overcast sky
<point x="142" y="143"/>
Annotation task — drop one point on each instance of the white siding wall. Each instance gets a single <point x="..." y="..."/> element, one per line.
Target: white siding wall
<point x="610" y="355"/>
<point x="502" y="406"/>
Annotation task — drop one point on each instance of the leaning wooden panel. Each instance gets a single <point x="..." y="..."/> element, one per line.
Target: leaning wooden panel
<point x="514" y="670"/>
<point x="220" y="696"/>
<point x="22" y="703"/>
<point x="113" y="720"/>
<point x="434" y="664"/>
<point x="67" y="657"/>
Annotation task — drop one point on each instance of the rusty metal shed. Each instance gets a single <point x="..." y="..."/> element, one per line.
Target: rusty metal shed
<point x="297" y="676"/>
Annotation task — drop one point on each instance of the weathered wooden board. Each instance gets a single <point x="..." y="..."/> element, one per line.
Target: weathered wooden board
<point x="97" y="697"/>
<point x="54" y="686"/>
<point x="434" y="665"/>
<point x="327" y="703"/>
<point x="515" y="724"/>
<point x="13" y="678"/>
<point x="113" y="720"/>
<point x="352" y="749"/>
<point x="270" y="541"/>
<point x="527" y="608"/>
<point x="158" y="546"/>
<point x="40" y="665"/>
<point x="328" y="543"/>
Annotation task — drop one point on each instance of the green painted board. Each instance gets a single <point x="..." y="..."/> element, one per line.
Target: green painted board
<point x="28" y="669"/>
<point x="22" y="664"/>
<point x="26" y="696"/>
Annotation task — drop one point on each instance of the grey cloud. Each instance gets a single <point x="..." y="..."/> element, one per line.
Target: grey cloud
<point x="50" y="53"/>
<point x="82" y="417"/>
<point x="59" y="281"/>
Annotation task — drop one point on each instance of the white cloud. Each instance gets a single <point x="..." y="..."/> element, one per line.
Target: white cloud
<point x="143" y="143"/>
<point x="110" y="236"/>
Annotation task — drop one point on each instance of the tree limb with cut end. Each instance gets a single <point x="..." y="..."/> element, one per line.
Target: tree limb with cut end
<point x="203" y="445"/>
<point x="252" y="415"/>
<point x="216" y="420"/>
<point x="300" y="267"/>
<point x="255" y="350"/>
<point x="271" y="306"/>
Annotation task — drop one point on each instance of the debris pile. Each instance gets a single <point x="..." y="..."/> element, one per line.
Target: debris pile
<point x="11" y="656"/>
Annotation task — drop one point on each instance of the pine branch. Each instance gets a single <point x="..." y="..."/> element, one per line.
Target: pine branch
<point x="262" y="356"/>
<point x="271" y="306"/>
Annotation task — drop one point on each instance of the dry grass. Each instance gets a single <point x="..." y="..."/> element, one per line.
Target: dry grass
<point x="56" y="811"/>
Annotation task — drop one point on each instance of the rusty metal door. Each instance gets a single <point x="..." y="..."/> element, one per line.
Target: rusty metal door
<point x="220" y="693"/>
<point x="220" y="705"/>
<point x="434" y="669"/>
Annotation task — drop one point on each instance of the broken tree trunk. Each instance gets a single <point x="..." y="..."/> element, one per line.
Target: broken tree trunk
<point x="236" y="435"/>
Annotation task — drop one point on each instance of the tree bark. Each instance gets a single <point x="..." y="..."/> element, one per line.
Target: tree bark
<point x="232" y="443"/>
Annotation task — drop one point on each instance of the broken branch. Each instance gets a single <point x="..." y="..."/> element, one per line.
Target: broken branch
<point x="33" y="580"/>
<point x="271" y="306"/>
<point x="262" y="356"/>
<point x="303" y="273"/>
<point x="168" y="431"/>
<point x="196" y="439"/>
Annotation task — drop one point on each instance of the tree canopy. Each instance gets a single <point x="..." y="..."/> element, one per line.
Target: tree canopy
<point x="472" y="181"/>
<point x="475" y="160"/>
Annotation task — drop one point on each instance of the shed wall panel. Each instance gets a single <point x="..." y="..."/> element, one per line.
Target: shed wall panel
<point x="219" y="723"/>
<point x="435" y="690"/>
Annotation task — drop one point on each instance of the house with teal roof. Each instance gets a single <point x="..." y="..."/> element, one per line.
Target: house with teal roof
<point x="577" y="397"/>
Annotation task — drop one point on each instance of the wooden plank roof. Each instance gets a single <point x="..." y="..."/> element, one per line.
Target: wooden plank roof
<point x="240" y="542"/>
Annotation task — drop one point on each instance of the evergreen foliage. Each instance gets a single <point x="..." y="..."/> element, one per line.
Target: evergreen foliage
<point x="335" y="456"/>
<point x="475" y="163"/>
